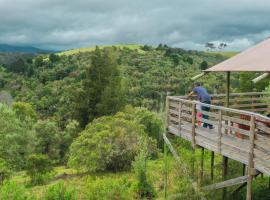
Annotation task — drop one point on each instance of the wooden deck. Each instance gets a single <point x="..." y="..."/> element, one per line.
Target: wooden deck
<point x="240" y="135"/>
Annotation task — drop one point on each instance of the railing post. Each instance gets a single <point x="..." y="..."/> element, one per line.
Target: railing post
<point x="219" y="130"/>
<point x="193" y="124"/>
<point x="251" y="158"/>
<point x="180" y="117"/>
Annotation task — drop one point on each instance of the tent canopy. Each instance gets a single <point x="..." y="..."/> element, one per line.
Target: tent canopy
<point x="254" y="59"/>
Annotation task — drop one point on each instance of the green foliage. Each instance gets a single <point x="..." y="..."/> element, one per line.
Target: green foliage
<point x="102" y="90"/>
<point x="143" y="188"/>
<point x="5" y="171"/>
<point x="59" y="192"/>
<point x="108" y="189"/>
<point x="24" y="111"/>
<point x="246" y="84"/>
<point x="12" y="191"/>
<point x="48" y="138"/>
<point x="38" y="168"/>
<point x="108" y="143"/>
<point x="204" y="65"/>
<point x="54" y="57"/>
<point x="15" y="135"/>
<point x="153" y="124"/>
<point x="67" y="136"/>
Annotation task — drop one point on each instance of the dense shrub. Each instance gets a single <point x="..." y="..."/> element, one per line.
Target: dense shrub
<point x="47" y="134"/>
<point x="142" y="186"/>
<point x="108" y="143"/>
<point x="16" y="135"/>
<point x="153" y="125"/>
<point x="5" y="171"/>
<point x="108" y="189"/>
<point x="12" y="191"/>
<point x="59" y="192"/>
<point x="38" y="168"/>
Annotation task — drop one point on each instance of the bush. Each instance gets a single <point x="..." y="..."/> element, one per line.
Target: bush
<point x="4" y="170"/>
<point x="12" y="191"/>
<point x="142" y="187"/>
<point x="108" y="143"/>
<point x="38" y="168"/>
<point x="59" y="192"/>
<point x="108" y="189"/>
<point x="153" y="125"/>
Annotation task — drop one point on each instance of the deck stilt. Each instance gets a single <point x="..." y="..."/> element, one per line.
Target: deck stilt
<point x="165" y="170"/>
<point x="212" y="164"/>
<point x="193" y="163"/>
<point x="251" y="156"/>
<point x="244" y="169"/>
<point x="224" y="175"/>
<point x="201" y="166"/>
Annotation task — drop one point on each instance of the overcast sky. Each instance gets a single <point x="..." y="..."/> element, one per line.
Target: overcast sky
<point x="65" y="24"/>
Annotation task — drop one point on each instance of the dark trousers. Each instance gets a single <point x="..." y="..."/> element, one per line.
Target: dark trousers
<point x="204" y="108"/>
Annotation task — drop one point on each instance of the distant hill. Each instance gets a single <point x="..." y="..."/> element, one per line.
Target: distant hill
<point x="89" y="49"/>
<point x="22" y="49"/>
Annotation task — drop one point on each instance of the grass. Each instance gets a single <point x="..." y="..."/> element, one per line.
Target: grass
<point x="89" y="49"/>
<point x="111" y="182"/>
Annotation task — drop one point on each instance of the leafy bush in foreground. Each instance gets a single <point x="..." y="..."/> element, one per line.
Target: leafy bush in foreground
<point x="38" y="168"/>
<point x="12" y="191"/>
<point x="59" y="192"/>
<point x="108" y="143"/>
<point x="108" y="189"/>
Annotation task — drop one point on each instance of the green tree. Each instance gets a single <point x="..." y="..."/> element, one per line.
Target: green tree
<point x="54" y="57"/>
<point x="24" y="111"/>
<point x="16" y="138"/>
<point x="204" y="65"/>
<point x="102" y="92"/>
<point x="38" y="167"/>
<point x="108" y="143"/>
<point x="48" y="138"/>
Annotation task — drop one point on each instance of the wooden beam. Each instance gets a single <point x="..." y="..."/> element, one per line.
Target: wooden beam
<point x="198" y="76"/>
<point x="251" y="158"/>
<point x="224" y="174"/>
<point x="212" y="164"/>
<point x="227" y="183"/>
<point x="259" y="78"/>
<point x="202" y="166"/>
<point x="166" y="140"/>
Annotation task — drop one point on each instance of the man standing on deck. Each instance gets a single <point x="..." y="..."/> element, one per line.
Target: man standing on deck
<point x="203" y="97"/>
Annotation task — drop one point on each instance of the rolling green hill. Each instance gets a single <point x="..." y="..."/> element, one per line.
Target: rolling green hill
<point x="92" y="48"/>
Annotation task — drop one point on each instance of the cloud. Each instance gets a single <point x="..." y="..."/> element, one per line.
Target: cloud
<point x="63" y="24"/>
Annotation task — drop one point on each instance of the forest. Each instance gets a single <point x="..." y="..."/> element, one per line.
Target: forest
<point x="88" y="124"/>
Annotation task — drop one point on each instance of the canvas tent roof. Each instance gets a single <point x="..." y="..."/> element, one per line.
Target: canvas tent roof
<point x="254" y="59"/>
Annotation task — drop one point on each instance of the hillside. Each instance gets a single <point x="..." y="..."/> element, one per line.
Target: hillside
<point x="22" y="49"/>
<point x="83" y="125"/>
<point x="89" y="49"/>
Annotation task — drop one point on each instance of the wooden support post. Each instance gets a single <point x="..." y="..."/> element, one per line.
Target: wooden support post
<point x="228" y="89"/>
<point x="193" y="163"/>
<point x="251" y="156"/>
<point x="193" y="125"/>
<point x="244" y="169"/>
<point x="219" y="129"/>
<point x="212" y="164"/>
<point x="180" y="117"/>
<point x="201" y="165"/>
<point x="224" y="175"/>
<point x="165" y="170"/>
<point x="225" y="159"/>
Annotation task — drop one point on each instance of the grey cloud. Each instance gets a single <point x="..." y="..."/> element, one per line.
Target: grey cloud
<point x="63" y="24"/>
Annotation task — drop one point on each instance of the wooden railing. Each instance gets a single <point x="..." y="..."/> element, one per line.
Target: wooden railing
<point x="237" y="134"/>
<point x="251" y="101"/>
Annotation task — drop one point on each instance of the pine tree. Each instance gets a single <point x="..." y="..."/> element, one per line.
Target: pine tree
<point x="103" y="92"/>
